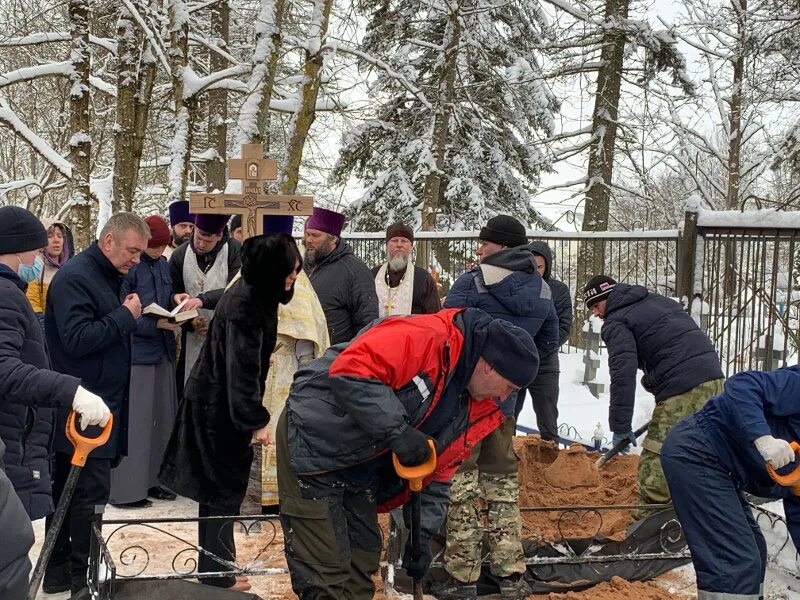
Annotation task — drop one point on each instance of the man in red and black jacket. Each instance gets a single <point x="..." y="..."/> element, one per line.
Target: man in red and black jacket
<point x="399" y="383"/>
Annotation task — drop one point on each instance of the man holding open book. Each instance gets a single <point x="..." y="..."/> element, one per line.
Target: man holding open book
<point x="153" y="395"/>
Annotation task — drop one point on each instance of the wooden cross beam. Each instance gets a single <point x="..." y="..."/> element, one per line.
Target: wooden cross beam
<point x="254" y="171"/>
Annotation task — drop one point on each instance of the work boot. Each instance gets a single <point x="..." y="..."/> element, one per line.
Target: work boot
<point x="57" y="579"/>
<point x="453" y="589"/>
<point x="513" y="587"/>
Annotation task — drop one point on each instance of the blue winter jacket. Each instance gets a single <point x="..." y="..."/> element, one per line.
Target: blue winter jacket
<point x="647" y="331"/>
<point x="89" y="336"/>
<point x="754" y="404"/>
<point x="29" y="393"/>
<point x="150" y="279"/>
<point x="507" y="286"/>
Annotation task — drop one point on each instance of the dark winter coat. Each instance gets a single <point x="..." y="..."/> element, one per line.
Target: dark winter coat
<point x="424" y="296"/>
<point x="346" y="406"/>
<point x="151" y="280"/>
<point x="204" y="261"/>
<point x="507" y="286"/>
<point x="754" y="404"/>
<point x="29" y="393"/>
<point x="562" y="300"/>
<point x="647" y="331"/>
<point x="209" y="453"/>
<point x="15" y="566"/>
<point x="88" y="334"/>
<point x="346" y="290"/>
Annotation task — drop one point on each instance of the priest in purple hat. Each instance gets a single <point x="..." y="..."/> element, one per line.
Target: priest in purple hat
<point x="344" y="284"/>
<point x="202" y="269"/>
<point x="181" y="221"/>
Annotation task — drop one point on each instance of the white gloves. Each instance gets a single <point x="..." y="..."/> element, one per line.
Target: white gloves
<point x="777" y="453"/>
<point x="90" y="407"/>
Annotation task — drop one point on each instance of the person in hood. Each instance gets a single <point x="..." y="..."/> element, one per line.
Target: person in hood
<point x="653" y="333"/>
<point x="401" y="383"/>
<point x="343" y="283"/>
<point x="60" y="248"/>
<point x="221" y="415"/>
<point x="508" y="287"/>
<point x="716" y="456"/>
<point x="544" y="389"/>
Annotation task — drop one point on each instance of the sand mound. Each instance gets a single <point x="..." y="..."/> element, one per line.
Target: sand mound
<point x="616" y="589"/>
<point x="543" y="483"/>
<point x="573" y="468"/>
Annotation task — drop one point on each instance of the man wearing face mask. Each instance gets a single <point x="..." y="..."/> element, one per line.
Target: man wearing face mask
<point x="29" y="390"/>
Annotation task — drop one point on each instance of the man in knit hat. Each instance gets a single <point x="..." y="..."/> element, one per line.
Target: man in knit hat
<point x="350" y="409"/>
<point x="344" y="284"/>
<point x="202" y="269"/>
<point x="402" y="287"/>
<point x="507" y="285"/>
<point x="652" y="333"/>
<point x="182" y="224"/>
<point x="29" y="391"/>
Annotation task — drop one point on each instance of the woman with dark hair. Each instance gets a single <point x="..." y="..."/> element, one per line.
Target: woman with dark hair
<point x="221" y="414"/>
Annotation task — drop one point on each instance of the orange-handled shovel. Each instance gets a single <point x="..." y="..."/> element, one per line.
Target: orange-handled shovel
<point x="83" y="446"/>
<point x="792" y="479"/>
<point x="415" y="476"/>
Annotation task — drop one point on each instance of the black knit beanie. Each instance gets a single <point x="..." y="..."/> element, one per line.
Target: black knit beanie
<point x="511" y="352"/>
<point x="598" y="288"/>
<point x="20" y="231"/>
<point x="504" y="230"/>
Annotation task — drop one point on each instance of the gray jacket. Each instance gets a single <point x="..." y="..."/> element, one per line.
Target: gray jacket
<point x="15" y="567"/>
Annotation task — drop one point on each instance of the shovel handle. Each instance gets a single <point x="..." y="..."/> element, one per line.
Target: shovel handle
<point x="792" y="479"/>
<point x="84" y="445"/>
<point x="417" y="473"/>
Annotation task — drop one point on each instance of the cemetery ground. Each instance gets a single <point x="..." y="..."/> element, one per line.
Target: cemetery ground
<point x="579" y="411"/>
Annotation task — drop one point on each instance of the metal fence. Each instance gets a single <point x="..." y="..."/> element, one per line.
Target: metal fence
<point x="737" y="282"/>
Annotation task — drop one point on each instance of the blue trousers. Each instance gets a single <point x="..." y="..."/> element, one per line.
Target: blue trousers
<point x="728" y="549"/>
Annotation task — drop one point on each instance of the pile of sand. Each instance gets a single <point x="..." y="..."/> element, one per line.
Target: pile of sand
<point x="552" y="478"/>
<point x="616" y="589"/>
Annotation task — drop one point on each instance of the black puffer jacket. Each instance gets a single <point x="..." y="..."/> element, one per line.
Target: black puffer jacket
<point x="562" y="299"/>
<point x="28" y="394"/>
<point x="15" y="567"/>
<point x="647" y="331"/>
<point x="346" y="289"/>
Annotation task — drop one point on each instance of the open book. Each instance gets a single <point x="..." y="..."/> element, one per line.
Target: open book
<point x="173" y="315"/>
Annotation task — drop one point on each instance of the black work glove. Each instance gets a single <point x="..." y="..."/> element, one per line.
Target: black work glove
<point x="417" y="569"/>
<point x="411" y="447"/>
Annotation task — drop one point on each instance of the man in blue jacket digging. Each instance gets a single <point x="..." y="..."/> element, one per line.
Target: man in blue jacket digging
<point x="647" y="331"/>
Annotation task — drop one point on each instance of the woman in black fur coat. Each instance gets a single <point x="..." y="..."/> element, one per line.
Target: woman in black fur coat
<point x="221" y="415"/>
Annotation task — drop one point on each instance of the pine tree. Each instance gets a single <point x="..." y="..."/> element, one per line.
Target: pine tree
<point x="459" y="110"/>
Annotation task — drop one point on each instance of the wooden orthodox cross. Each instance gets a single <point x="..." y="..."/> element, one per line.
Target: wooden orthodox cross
<point x="254" y="171"/>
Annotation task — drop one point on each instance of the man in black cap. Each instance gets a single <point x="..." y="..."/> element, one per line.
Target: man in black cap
<point x="401" y="383"/>
<point x="647" y="331"/>
<point x="507" y="285"/>
<point x="29" y="391"/>
<point x="402" y="287"/>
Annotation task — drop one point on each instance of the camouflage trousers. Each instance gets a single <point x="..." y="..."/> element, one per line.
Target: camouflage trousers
<point x="650" y="476"/>
<point x="489" y="474"/>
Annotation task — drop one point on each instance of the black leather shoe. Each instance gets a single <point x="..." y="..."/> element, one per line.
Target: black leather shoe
<point x="160" y="493"/>
<point x="143" y="503"/>
<point x="57" y="580"/>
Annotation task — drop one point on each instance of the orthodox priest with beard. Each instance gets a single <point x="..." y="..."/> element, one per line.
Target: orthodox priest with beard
<point x="402" y="287"/>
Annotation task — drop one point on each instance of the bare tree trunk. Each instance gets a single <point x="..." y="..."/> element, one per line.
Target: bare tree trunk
<point x="432" y="190"/>
<point x="124" y="131"/>
<point x="218" y="100"/>
<point x="254" y="117"/>
<point x="735" y="142"/>
<point x="591" y="253"/>
<point x="306" y="110"/>
<point x="80" y="143"/>
<point x="184" y="109"/>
